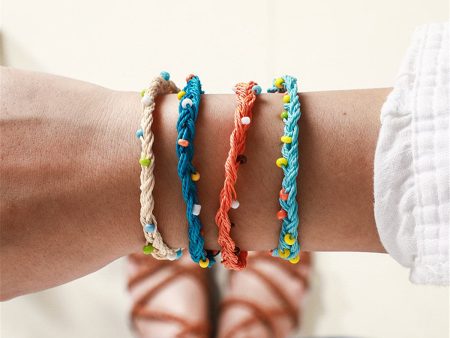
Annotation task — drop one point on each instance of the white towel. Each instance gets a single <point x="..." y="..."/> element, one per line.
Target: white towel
<point x="412" y="170"/>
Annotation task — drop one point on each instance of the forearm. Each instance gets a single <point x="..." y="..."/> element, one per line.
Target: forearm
<point x="70" y="175"/>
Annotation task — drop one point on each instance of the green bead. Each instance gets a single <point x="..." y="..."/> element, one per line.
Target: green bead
<point x="145" y="162"/>
<point x="143" y="92"/>
<point x="148" y="249"/>
<point x="284" y="115"/>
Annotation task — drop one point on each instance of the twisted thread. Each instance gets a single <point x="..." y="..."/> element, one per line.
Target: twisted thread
<point x="158" y="86"/>
<point x="186" y="131"/>
<point x="232" y="257"/>
<point x="290" y="171"/>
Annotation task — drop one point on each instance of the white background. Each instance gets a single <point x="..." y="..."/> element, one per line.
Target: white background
<point x="327" y="44"/>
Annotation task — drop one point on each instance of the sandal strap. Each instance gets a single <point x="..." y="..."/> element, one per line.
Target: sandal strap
<point x="260" y="314"/>
<point x="139" y="307"/>
<point x="199" y="329"/>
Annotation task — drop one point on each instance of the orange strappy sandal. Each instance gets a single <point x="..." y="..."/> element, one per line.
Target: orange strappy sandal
<point x="146" y="267"/>
<point x="287" y="305"/>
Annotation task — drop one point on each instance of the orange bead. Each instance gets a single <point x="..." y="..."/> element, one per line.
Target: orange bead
<point x="183" y="143"/>
<point x="283" y="195"/>
<point x="189" y="77"/>
<point x="281" y="214"/>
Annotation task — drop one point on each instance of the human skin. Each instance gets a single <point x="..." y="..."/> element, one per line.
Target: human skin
<point x="69" y="175"/>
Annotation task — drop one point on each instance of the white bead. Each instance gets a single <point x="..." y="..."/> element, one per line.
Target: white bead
<point x="196" y="209"/>
<point x="186" y="102"/>
<point x="172" y="256"/>
<point x="146" y="100"/>
<point x="245" y="120"/>
<point x="235" y="204"/>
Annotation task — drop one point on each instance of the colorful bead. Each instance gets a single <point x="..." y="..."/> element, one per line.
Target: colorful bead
<point x="183" y="143"/>
<point x="282" y="214"/>
<point x="286" y="98"/>
<point x="195" y="176"/>
<point x="148" y="249"/>
<point x="257" y="89"/>
<point x="143" y="91"/>
<point x="284" y="115"/>
<point x="286" y="139"/>
<point x="139" y="133"/>
<point x="180" y="94"/>
<point x="279" y="83"/>
<point x="146" y="100"/>
<point x="289" y="239"/>
<point x="196" y="209"/>
<point x="204" y="263"/>
<point x="189" y="77"/>
<point x="149" y="228"/>
<point x="284" y="253"/>
<point x="235" y="204"/>
<point x="145" y="162"/>
<point x="165" y="75"/>
<point x="186" y="103"/>
<point x="284" y="195"/>
<point x="281" y="162"/>
<point x="245" y="120"/>
<point x="179" y="253"/>
<point x="295" y="259"/>
<point x="241" y="159"/>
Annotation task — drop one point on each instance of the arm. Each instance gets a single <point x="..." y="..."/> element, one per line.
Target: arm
<point x="70" y="175"/>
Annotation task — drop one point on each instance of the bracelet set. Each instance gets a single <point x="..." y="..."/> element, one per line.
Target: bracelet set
<point x="188" y="109"/>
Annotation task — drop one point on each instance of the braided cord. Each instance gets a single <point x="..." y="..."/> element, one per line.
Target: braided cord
<point x="232" y="257"/>
<point x="289" y="246"/>
<point x="188" y="112"/>
<point x="154" y="242"/>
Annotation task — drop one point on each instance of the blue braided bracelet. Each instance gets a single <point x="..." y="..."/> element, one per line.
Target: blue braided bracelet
<point x="288" y="246"/>
<point x="188" y="111"/>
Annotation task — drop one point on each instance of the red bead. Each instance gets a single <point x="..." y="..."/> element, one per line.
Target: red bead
<point x="283" y="195"/>
<point x="281" y="214"/>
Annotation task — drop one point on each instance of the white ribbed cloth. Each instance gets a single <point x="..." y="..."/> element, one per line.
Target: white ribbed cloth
<point x="412" y="160"/>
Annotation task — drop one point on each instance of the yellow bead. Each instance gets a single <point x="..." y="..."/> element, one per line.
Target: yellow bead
<point x="289" y="239"/>
<point x="281" y="162"/>
<point x="204" y="263"/>
<point x="295" y="260"/>
<point x="195" y="176"/>
<point x="284" y="115"/>
<point x="286" y="98"/>
<point x="279" y="83"/>
<point x="284" y="254"/>
<point x="143" y="91"/>
<point x="180" y="94"/>
<point x="286" y="139"/>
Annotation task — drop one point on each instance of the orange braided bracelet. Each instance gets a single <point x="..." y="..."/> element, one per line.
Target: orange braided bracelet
<point x="232" y="257"/>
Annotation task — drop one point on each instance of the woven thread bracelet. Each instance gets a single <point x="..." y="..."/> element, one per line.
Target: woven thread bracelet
<point x="232" y="256"/>
<point x="188" y="111"/>
<point x="288" y="245"/>
<point x="154" y="242"/>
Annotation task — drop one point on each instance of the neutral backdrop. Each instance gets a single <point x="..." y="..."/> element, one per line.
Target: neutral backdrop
<point x="327" y="44"/>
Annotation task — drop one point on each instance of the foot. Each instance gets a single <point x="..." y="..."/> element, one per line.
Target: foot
<point x="264" y="300"/>
<point x="170" y="299"/>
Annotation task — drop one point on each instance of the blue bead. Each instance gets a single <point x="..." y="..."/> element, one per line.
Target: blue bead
<point x="139" y="133"/>
<point x="149" y="228"/>
<point x="165" y="75"/>
<point x="179" y="254"/>
<point x="257" y="89"/>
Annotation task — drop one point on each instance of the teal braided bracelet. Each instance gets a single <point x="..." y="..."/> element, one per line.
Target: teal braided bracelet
<point x="188" y="111"/>
<point x="288" y="246"/>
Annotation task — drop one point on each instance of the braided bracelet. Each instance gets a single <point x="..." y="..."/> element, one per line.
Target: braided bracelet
<point x="232" y="256"/>
<point x="288" y="246"/>
<point x="154" y="242"/>
<point x="188" y="111"/>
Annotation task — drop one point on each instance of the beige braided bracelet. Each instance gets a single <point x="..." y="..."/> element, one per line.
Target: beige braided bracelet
<point x="154" y="242"/>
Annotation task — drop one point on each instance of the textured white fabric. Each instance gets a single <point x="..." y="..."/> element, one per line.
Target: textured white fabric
<point x="412" y="170"/>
